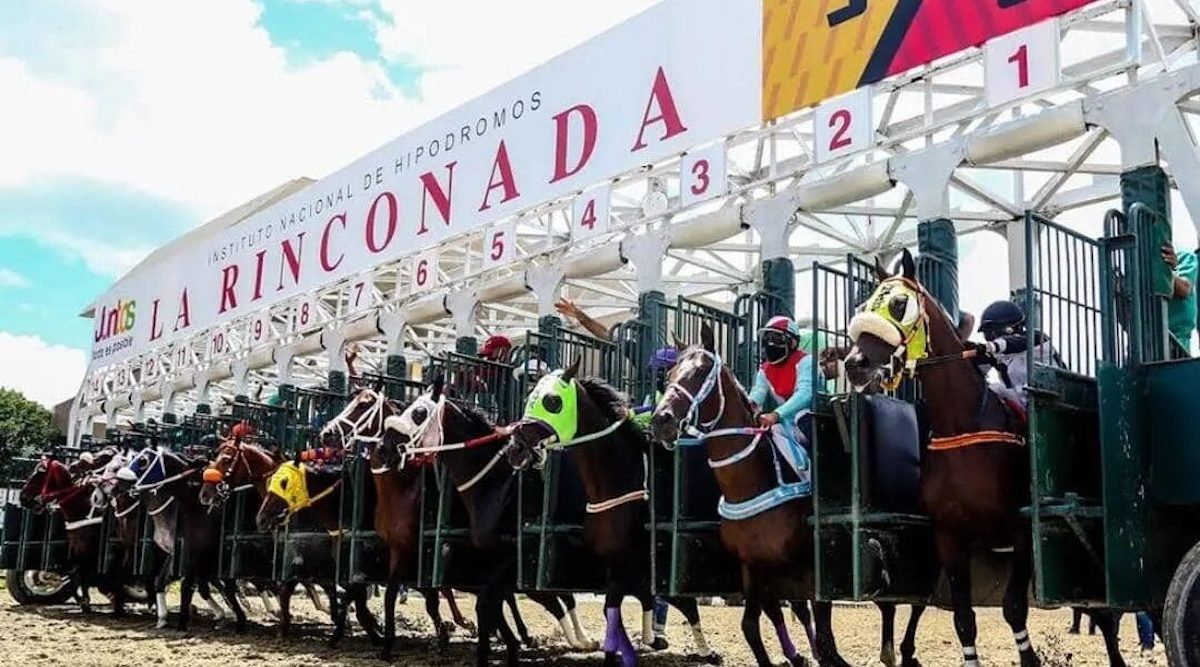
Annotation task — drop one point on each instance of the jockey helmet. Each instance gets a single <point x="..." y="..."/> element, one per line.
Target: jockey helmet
<point x="1001" y="318"/>
<point x="779" y="338"/>
<point x="495" y="346"/>
<point x="664" y="358"/>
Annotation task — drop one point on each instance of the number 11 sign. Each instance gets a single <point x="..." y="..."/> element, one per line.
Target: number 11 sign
<point x="1022" y="63"/>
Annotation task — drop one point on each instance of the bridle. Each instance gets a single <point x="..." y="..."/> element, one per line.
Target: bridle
<point x="349" y="430"/>
<point x="400" y="423"/>
<point x="222" y="489"/>
<point x="701" y="431"/>
<point x="140" y="484"/>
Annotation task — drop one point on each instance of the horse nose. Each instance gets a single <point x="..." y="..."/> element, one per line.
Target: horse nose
<point x="855" y="361"/>
<point x="664" y="417"/>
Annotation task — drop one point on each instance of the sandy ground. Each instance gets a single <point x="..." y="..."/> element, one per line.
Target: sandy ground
<point x="64" y="636"/>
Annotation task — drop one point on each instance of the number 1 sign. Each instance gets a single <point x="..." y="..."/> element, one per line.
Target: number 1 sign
<point x="1022" y="63"/>
<point x="844" y="125"/>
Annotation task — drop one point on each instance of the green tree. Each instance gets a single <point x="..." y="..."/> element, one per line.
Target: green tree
<point x="25" y="427"/>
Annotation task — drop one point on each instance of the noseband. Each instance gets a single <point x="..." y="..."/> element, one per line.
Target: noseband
<point x="348" y="430"/>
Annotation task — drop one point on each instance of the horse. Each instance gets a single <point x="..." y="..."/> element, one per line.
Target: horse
<point x="764" y="510"/>
<point x="470" y="447"/>
<point x="165" y="485"/>
<point x="975" y="475"/>
<point x="590" y="420"/>
<point x="237" y="467"/>
<point x="51" y="488"/>
<point x="295" y="489"/>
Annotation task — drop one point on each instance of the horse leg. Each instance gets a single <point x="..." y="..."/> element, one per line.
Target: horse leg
<point x="750" y="629"/>
<point x="616" y="640"/>
<point x="442" y="628"/>
<point x="487" y="622"/>
<point x="215" y="607"/>
<point x="770" y="607"/>
<point x="827" y="651"/>
<point x="362" y="612"/>
<point x="802" y="614"/>
<point x="185" y="600"/>
<point x="231" y="596"/>
<point x="459" y="620"/>
<point x="650" y="638"/>
<point x="585" y="640"/>
<point x="510" y="598"/>
<point x="955" y="559"/>
<point x="389" y="618"/>
<point x="1109" y="622"/>
<point x="691" y="614"/>
<point x="160" y="593"/>
<point x="1016" y="600"/>
<point x="285" y="608"/>
<point x="1076" y="618"/>
<point x="339" y="610"/>
<point x="553" y="604"/>
<point x="315" y="596"/>
<point x="887" y="639"/>
<point x="512" y="647"/>
<point x="908" y="647"/>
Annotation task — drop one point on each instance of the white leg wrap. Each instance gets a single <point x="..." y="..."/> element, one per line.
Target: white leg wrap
<point x="648" y="627"/>
<point x="217" y="610"/>
<point x="698" y="638"/>
<point x="584" y="640"/>
<point x="970" y="657"/>
<point x="1022" y="640"/>
<point x="569" y="633"/>
<point x="160" y="603"/>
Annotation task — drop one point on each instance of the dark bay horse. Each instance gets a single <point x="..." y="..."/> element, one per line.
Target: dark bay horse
<point x="975" y="477"/>
<point x="764" y="507"/>
<point x="50" y="488"/>
<point x="471" y="447"/>
<point x="298" y="492"/>
<point x="590" y="420"/>
<point x="166" y="485"/>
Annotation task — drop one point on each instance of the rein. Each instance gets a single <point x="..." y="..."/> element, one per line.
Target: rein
<point x="373" y="414"/>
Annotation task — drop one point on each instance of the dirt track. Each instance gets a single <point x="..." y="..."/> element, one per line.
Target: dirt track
<point x="63" y="636"/>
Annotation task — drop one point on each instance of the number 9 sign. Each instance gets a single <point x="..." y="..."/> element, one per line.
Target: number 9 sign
<point x="843" y="125"/>
<point x="702" y="174"/>
<point x="259" y="329"/>
<point x="424" y="272"/>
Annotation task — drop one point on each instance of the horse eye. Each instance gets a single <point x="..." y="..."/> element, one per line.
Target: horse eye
<point x="898" y="307"/>
<point x="283" y="484"/>
<point x="419" y="415"/>
<point x="552" y="403"/>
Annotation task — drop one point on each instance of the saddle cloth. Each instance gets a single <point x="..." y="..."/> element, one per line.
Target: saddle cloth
<point x="791" y="444"/>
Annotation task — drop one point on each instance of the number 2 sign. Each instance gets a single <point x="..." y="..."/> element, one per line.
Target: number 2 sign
<point x="424" y="272"/>
<point x="702" y="174"/>
<point x="1022" y="63"/>
<point x="844" y="125"/>
<point x="590" y="213"/>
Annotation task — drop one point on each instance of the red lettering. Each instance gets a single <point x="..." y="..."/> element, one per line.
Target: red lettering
<point x="393" y="211"/>
<point x="326" y="265"/>
<point x="156" y="330"/>
<point x="185" y="312"/>
<point x="562" y="135"/>
<point x="291" y="259"/>
<point x="441" y="199"/>
<point x="259" y="260"/>
<point x="502" y="167"/>
<point x="668" y="113"/>
<point x="229" y="276"/>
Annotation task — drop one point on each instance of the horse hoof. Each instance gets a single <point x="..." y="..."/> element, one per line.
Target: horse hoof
<point x="910" y="662"/>
<point x="659" y="644"/>
<point x="797" y="661"/>
<point x="469" y="627"/>
<point x="710" y="658"/>
<point x="1030" y="659"/>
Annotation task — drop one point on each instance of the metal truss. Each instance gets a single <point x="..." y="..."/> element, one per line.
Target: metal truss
<point x="1106" y="47"/>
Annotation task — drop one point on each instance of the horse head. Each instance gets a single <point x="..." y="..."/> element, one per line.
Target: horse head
<point x="361" y="419"/>
<point x="31" y="493"/>
<point x="696" y="389"/>
<point x="420" y="424"/>
<point x="552" y="415"/>
<point x="288" y="492"/>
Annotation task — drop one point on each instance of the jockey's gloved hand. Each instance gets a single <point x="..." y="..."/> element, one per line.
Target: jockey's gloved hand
<point x="768" y="419"/>
<point x="981" y="350"/>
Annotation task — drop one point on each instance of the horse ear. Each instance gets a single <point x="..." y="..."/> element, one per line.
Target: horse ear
<point x="706" y="338"/>
<point x="966" y="324"/>
<point x="881" y="273"/>
<point x="679" y="345"/>
<point x="296" y="457"/>
<point x="569" y="374"/>
<point x="908" y="267"/>
<point x="439" y="385"/>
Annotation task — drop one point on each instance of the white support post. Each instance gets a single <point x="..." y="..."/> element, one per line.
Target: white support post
<point x="646" y="253"/>
<point x="333" y="341"/>
<point x="926" y="173"/>
<point x="391" y="325"/>
<point x="771" y="219"/>
<point x="545" y="282"/>
<point x="463" y="308"/>
<point x="139" y="407"/>
<point x="241" y="373"/>
<point x="283" y="364"/>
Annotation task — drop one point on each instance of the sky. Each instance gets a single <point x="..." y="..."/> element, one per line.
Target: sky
<point x="124" y="124"/>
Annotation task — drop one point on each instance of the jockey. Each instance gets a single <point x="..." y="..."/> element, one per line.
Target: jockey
<point x="786" y="377"/>
<point x="496" y="348"/>
<point x="660" y="365"/>
<point x="1006" y="341"/>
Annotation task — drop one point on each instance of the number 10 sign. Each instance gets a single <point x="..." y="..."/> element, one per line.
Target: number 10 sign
<point x="1022" y="63"/>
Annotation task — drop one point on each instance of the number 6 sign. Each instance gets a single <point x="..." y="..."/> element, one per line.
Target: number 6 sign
<point x="702" y="174"/>
<point x="424" y="272"/>
<point x="844" y="125"/>
<point x="1022" y="63"/>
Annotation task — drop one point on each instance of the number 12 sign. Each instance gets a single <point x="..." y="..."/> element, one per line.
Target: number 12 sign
<point x="1022" y="63"/>
<point x="844" y="125"/>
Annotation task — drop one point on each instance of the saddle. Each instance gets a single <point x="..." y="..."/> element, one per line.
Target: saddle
<point x="894" y="456"/>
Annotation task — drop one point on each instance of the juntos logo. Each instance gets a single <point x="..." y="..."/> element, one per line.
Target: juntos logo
<point x="116" y="320"/>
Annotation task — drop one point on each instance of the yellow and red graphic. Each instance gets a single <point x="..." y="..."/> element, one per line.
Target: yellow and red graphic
<point x="817" y="49"/>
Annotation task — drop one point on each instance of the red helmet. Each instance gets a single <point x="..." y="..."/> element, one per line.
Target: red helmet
<point x="495" y="345"/>
<point x="241" y="430"/>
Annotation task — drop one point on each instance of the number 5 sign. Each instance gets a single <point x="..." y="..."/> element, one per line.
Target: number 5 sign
<point x="844" y="125"/>
<point x="590" y="213"/>
<point x="1022" y="63"/>
<point x="702" y="174"/>
<point x="499" y="245"/>
<point x="424" y="272"/>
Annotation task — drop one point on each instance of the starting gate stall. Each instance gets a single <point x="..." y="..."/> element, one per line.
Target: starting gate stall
<point x="872" y="542"/>
<point x="29" y="536"/>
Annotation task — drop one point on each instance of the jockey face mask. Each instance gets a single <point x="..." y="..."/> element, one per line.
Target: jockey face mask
<point x="555" y="404"/>
<point x="776" y="346"/>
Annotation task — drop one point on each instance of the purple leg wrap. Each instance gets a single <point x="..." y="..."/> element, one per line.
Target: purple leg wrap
<point x="785" y="640"/>
<point x="616" y="639"/>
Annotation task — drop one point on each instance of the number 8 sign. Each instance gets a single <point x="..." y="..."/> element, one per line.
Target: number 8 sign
<point x="844" y="125"/>
<point x="424" y="272"/>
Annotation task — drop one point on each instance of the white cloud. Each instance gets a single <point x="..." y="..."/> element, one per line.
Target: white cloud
<point x="48" y="374"/>
<point x="10" y="278"/>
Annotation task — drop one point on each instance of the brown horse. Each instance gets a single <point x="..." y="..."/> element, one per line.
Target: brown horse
<point x="165" y="483"/>
<point x="590" y="420"/>
<point x="445" y="428"/>
<point x="771" y="537"/>
<point x="975" y="476"/>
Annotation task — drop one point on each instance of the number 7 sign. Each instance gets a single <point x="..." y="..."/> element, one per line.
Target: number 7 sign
<point x="1022" y="63"/>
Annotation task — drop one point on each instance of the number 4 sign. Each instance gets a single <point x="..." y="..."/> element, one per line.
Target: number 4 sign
<point x="1022" y="63"/>
<point x="844" y="125"/>
<point x="590" y="213"/>
<point x="424" y="272"/>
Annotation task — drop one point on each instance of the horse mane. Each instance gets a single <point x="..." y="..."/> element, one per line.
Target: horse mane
<point x="474" y="415"/>
<point x="606" y="396"/>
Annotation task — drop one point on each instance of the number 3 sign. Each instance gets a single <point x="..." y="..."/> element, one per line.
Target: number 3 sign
<point x="844" y="125"/>
<point x="1022" y="63"/>
<point x="702" y="174"/>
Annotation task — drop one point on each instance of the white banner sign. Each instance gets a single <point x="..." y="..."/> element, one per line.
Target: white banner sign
<point x="683" y="73"/>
